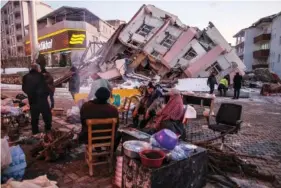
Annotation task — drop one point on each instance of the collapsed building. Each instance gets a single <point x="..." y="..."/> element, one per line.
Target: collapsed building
<point x="155" y="42"/>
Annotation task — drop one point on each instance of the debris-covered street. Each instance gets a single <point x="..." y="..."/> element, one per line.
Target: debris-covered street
<point x="151" y="102"/>
<point x="259" y="136"/>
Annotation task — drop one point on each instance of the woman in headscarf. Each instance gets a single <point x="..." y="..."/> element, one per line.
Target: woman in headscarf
<point x="170" y="117"/>
<point x="98" y="83"/>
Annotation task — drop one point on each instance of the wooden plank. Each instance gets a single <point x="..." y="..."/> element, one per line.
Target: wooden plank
<point x="101" y="138"/>
<point x="106" y="144"/>
<point x="101" y="131"/>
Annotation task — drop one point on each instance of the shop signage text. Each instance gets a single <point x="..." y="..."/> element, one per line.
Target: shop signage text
<point x="45" y="45"/>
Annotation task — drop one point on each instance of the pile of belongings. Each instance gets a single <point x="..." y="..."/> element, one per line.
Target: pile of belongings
<point x="53" y="145"/>
<point x="15" y="106"/>
<point x="13" y="162"/>
<point x="39" y="182"/>
<point x="73" y="114"/>
<point x="268" y="89"/>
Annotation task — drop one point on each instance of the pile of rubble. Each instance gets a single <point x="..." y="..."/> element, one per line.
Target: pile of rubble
<point x="155" y="42"/>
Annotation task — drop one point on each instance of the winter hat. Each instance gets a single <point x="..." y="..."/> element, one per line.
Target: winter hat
<point x="102" y="94"/>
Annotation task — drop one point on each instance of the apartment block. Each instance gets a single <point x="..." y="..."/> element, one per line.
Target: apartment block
<point x="67" y="31"/>
<point x="164" y="38"/>
<point x="259" y="45"/>
<point x="14" y="18"/>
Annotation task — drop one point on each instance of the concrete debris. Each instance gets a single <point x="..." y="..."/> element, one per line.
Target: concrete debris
<point x="155" y="42"/>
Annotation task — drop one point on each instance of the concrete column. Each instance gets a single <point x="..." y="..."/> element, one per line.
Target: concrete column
<point x="33" y="29"/>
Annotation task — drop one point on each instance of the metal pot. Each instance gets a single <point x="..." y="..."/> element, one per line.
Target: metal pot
<point x="133" y="147"/>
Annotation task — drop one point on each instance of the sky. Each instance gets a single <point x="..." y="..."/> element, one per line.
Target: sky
<point x="228" y="16"/>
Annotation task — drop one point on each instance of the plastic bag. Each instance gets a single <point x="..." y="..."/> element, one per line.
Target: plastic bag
<point x="5" y="109"/>
<point x="7" y="102"/>
<point x="6" y="158"/>
<point x="39" y="182"/>
<point x="73" y="115"/>
<point x="15" y="111"/>
<point x="17" y="168"/>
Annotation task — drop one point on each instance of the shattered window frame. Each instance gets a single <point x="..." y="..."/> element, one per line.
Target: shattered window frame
<point x="155" y="54"/>
<point x="215" y="67"/>
<point x="168" y="41"/>
<point x="144" y="30"/>
<point x="189" y="54"/>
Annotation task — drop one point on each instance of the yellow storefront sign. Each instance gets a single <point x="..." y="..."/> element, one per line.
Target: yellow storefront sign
<point x="118" y="95"/>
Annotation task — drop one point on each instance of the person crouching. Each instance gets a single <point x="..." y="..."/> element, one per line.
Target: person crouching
<point x="223" y="86"/>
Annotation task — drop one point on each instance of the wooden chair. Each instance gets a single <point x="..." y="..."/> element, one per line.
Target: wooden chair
<point x="133" y="99"/>
<point x="103" y="141"/>
<point x="123" y="108"/>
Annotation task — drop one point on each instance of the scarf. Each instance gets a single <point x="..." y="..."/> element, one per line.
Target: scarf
<point x="173" y="110"/>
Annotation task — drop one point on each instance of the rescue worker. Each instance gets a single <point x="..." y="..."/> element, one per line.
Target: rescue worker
<point x="211" y="82"/>
<point x="36" y="88"/>
<point x="223" y="86"/>
<point x="237" y="83"/>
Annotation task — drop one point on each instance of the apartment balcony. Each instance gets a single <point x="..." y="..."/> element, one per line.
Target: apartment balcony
<point x="263" y="53"/>
<point x="262" y="37"/>
<point x="261" y="65"/>
<point x="17" y="9"/>
<point x="19" y="32"/>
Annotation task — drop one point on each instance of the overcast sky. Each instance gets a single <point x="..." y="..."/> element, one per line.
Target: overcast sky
<point x="228" y="17"/>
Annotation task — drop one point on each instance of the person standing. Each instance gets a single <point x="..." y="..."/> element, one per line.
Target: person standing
<point x="74" y="81"/>
<point x="35" y="86"/>
<point x="211" y="82"/>
<point x="50" y="82"/>
<point x="223" y="86"/>
<point x="237" y="83"/>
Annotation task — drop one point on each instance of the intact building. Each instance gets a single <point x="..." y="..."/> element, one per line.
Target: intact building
<point x="115" y="23"/>
<point x="66" y="33"/>
<point x="259" y="46"/>
<point x="14" y="18"/>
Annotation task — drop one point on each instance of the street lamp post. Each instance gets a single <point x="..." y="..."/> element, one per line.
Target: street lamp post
<point x="33" y="34"/>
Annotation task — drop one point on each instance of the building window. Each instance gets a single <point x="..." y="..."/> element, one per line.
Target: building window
<point x="144" y="30"/>
<point x="134" y="43"/>
<point x="155" y="54"/>
<point x="279" y="57"/>
<point x="264" y="46"/>
<point x="190" y="54"/>
<point x="168" y="41"/>
<point x="280" y="40"/>
<point x="215" y="67"/>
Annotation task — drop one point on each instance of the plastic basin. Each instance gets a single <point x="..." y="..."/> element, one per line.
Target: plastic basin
<point x="152" y="158"/>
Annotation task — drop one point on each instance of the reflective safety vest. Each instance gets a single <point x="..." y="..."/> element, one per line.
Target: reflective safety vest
<point x="224" y="82"/>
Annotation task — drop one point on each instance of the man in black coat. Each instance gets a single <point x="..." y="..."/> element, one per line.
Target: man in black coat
<point x="211" y="82"/>
<point x="34" y="85"/>
<point x="74" y="82"/>
<point x="237" y="83"/>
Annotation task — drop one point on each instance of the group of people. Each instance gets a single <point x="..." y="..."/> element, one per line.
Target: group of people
<point x="38" y="84"/>
<point x="224" y="84"/>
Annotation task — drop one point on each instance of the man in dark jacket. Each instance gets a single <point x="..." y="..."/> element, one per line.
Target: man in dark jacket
<point x="50" y="82"/>
<point x="99" y="109"/>
<point x="74" y="82"/>
<point x="34" y="85"/>
<point x="237" y="83"/>
<point x="211" y="82"/>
